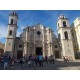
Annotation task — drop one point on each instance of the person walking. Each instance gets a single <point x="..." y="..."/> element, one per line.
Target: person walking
<point x="30" y="60"/>
<point x="36" y="60"/>
<point x="2" y="61"/>
<point x="33" y="60"/>
<point x="40" y="60"/>
<point x="53" y="59"/>
<point x="46" y="59"/>
<point x="66" y="59"/>
<point x="6" y="61"/>
<point x="21" y="60"/>
<point x="12" y="62"/>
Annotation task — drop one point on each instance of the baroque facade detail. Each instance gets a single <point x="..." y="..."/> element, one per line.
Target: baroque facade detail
<point x="39" y="39"/>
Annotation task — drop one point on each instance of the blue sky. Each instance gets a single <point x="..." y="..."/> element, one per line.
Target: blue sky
<point x="31" y="17"/>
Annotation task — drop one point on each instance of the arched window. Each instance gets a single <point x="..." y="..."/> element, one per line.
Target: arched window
<point x="56" y="46"/>
<point x="10" y="32"/>
<point x="20" y="45"/>
<point x="66" y="35"/>
<point x="64" y="23"/>
<point x="28" y="29"/>
<point x="59" y="37"/>
<point x="11" y="21"/>
<point x="58" y="24"/>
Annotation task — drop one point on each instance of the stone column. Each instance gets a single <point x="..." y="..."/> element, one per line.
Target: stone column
<point x="51" y="50"/>
<point x="28" y="51"/>
<point x="34" y="43"/>
<point x="43" y="50"/>
<point x="51" y="47"/>
<point x="25" y="50"/>
<point x="34" y="49"/>
<point x="43" y="44"/>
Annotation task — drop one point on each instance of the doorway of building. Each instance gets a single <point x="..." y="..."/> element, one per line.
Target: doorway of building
<point x="56" y="54"/>
<point x="38" y="50"/>
<point x="19" y="54"/>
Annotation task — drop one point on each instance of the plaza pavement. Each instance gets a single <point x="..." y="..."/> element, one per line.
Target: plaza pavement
<point x="59" y="65"/>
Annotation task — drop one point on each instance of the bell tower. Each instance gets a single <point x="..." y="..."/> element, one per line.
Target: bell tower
<point x="11" y="34"/>
<point x="65" y="37"/>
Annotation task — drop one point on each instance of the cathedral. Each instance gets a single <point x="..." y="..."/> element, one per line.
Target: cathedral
<point x="39" y="39"/>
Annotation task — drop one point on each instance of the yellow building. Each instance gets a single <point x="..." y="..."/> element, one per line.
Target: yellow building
<point x="76" y="36"/>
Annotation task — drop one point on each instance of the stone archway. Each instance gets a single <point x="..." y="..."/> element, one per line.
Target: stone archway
<point x="38" y="48"/>
<point x="19" y="54"/>
<point x="39" y="51"/>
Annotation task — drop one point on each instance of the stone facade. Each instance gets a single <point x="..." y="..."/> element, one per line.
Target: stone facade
<point x="38" y="39"/>
<point x="65" y="37"/>
<point x="34" y="40"/>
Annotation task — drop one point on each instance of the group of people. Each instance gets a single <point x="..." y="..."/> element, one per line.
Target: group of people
<point x="39" y="60"/>
<point x="36" y="60"/>
<point x="31" y="60"/>
<point x="49" y="59"/>
<point x="67" y="59"/>
<point x="6" y="61"/>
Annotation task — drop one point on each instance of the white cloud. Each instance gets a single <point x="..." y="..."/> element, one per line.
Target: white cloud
<point x="22" y="27"/>
<point x="19" y="31"/>
<point x="3" y="31"/>
<point x="56" y="33"/>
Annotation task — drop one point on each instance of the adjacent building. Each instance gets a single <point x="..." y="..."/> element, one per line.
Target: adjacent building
<point x="76" y="36"/>
<point x="2" y="48"/>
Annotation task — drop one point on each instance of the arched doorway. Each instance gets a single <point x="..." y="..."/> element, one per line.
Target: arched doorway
<point x="19" y="54"/>
<point x="57" y="54"/>
<point x="38" y="50"/>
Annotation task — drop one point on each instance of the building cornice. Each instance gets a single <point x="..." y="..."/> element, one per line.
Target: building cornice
<point x="77" y="26"/>
<point x="13" y="25"/>
<point x="78" y="18"/>
<point x="63" y="28"/>
<point x="67" y="39"/>
<point x="10" y="38"/>
<point x="63" y="19"/>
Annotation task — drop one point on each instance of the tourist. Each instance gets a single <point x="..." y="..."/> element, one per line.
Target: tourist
<point x="53" y="59"/>
<point x="26" y="59"/>
<point x="12" y="62"/>
<point x="33" y="60"/>
<point x="50" y="59"/>
<point x="6" y="61"/>
<point x="21" y="60"/>
<point x="40" y="60"/>
<point x="63" y="58"/>
<point x="2" y="60"/>
<point x="30" y="60"/>
<point x="36" y="60"/>
<point x="9" y="58"/>
<point x="46" y="59"/>
<point x="66" y="59"/>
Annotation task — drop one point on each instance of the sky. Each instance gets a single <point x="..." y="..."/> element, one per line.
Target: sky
<point x="47" y="18"/>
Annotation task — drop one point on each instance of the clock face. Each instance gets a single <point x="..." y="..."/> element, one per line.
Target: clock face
<point x="38" y="32"/>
